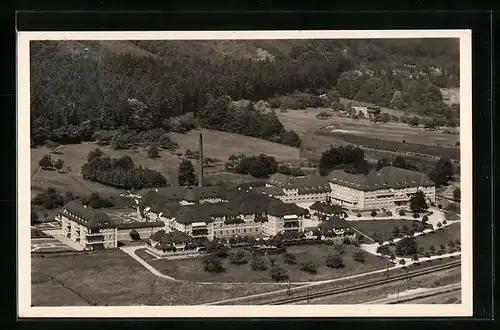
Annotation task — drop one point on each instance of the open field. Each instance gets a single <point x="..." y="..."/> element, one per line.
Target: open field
<point x="75" y="155"/>
<point x="192" y="269"/>
<point x="383" y="227"/>
<point x="442" y="236"/>
<point x="113" y="278"/>
<point x="223" y="144"/>
<point x="305" y="122"/>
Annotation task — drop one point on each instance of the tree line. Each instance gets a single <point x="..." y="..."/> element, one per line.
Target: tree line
<point x="79" y="87"/>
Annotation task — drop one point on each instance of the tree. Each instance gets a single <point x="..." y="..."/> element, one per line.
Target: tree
<point x="384" y="250"/>
<point x="432" y="249"/>
<point x="290" y="138"/>
<point x="59" y="164"/>
<point x="402" y="213"/>
<point x="45" y="162"/>
<point x="289" y="258"/>
<point x="308" y="267"/>
<point x="405" y="229"/>
<point x="52" y="145"/>
<point x="400" y="162"/>
<point x="442" y="172"/>
<point x="395" y="232"/>
<point x="334" y="261"/>
<point x="94" y="154"/>
<point x="439" y="225"/>
<point x="153" y="151"/>
<point x="425" y="218"/>
<point x="238" y="257"/>
<point x="384" y="162"/>
<point x="414" y="121"/>
<point x="373" y="213"/>
<point x="456" y="194"/>
<point x="418" y="203"/>
<point x="279" y="273"/>
<point x="341" y="155"/>
<point x="212" y="264"/>
<point x="407" y="246"/>
<point x="259" y="264"/>
<point x="427" y="254"/>
<point x="415" y="258"/>
<point x="402" y="262"/>
<point x="359" y="256"/>
<point x="34" y="218"/>
<point x="186" y="176"/>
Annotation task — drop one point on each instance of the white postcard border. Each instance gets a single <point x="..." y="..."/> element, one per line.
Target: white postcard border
<point x="24" y="190"/>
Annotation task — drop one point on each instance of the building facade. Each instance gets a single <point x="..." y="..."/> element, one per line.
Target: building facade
<point x="387" y="187"/>
<point x="94" y="230"/>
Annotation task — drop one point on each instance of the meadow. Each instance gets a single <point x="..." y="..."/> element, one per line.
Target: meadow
<point x="112" y="278"/>
<point x="192" y="269"/>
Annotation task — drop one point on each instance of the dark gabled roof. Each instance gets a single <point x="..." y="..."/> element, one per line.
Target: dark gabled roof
<point x="194" y="194"/>
<point x="172" y="193"/>
<point x="158" y="235"/>
<point x="144" y="224"/>
<point x="188" y="214"/>
<point x="273" y="191"/>
<point x="87" y="216"/>
<point x="312" y="184"/>
<point x="174" y="237"/>
<point x="280" y="179"/>
<point x="386" y="177"/>
<point x="277" y="208"/>
<point x="327" y="227"/>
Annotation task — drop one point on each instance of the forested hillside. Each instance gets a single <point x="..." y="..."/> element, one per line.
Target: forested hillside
<point x="79" y="87"/>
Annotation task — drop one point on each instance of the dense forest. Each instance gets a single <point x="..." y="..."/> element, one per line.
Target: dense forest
<point x="80" y="87"/>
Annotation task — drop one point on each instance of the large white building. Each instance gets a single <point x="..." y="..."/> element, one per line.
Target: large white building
<point x="246" y="213"/>
<point x="94" y="230"/>
<point x="290" y="189"/>
<point x="384" y="188"/>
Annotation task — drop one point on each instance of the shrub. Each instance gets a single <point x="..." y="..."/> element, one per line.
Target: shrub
<point x="416" y="215"/>
<point x="373" y="213"/>
<point x="402" y="213"/>
<point x="329" y="242"/>
<point x="289" y="259"/>
<point x="238" y="257"/>
<point x="308" y="267"/>
<point x="212" y="264"/>
<point x="359" y="256"/>
<point x="425" y="218"/>
<point x="405" y="229"/>
<point x="259" y="264"/>
<point x="406" y="247"/>
<point x="279" y="273"/>
<point x="440" y="206"/>
<point x="439" y="225"/>
<point x="346" y="240"/>
<point x="334" y="261"/>
<point x="402" y="262"/>
<point x="445" y="222"/>
<point x="384" y="250"/>
<point x="427" y="254"/>
<point x="359" y="215"/>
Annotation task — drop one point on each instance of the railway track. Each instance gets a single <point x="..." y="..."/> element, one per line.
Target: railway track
<point x="335" y="291"/>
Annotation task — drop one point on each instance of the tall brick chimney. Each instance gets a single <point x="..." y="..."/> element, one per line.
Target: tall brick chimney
<point x="200" y="179"/>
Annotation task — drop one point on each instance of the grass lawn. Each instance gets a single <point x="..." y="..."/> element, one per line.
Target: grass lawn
<point x="305" y="122"/>
<point x="221" y="145"/>
<point x="75" y="156"/>
<point x="113" y="278"/>
<point x="451" y="232"/>
<point x="192" y="269"/>
<point x="383" y="227"/>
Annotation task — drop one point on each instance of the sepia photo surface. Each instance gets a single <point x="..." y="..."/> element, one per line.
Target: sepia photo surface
<point x="245" y="174"/>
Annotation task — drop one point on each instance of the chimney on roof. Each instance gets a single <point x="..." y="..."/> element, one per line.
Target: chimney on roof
<point x="200" y="179"/>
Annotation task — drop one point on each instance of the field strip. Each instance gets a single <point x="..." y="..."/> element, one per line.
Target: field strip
<point x="405" y="296"/>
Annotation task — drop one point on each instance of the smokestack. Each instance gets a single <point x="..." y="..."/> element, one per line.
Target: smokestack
<point x="200" y="179"/>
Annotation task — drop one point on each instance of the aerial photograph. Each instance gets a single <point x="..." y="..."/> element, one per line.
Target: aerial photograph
<point x="245" y="172"/>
